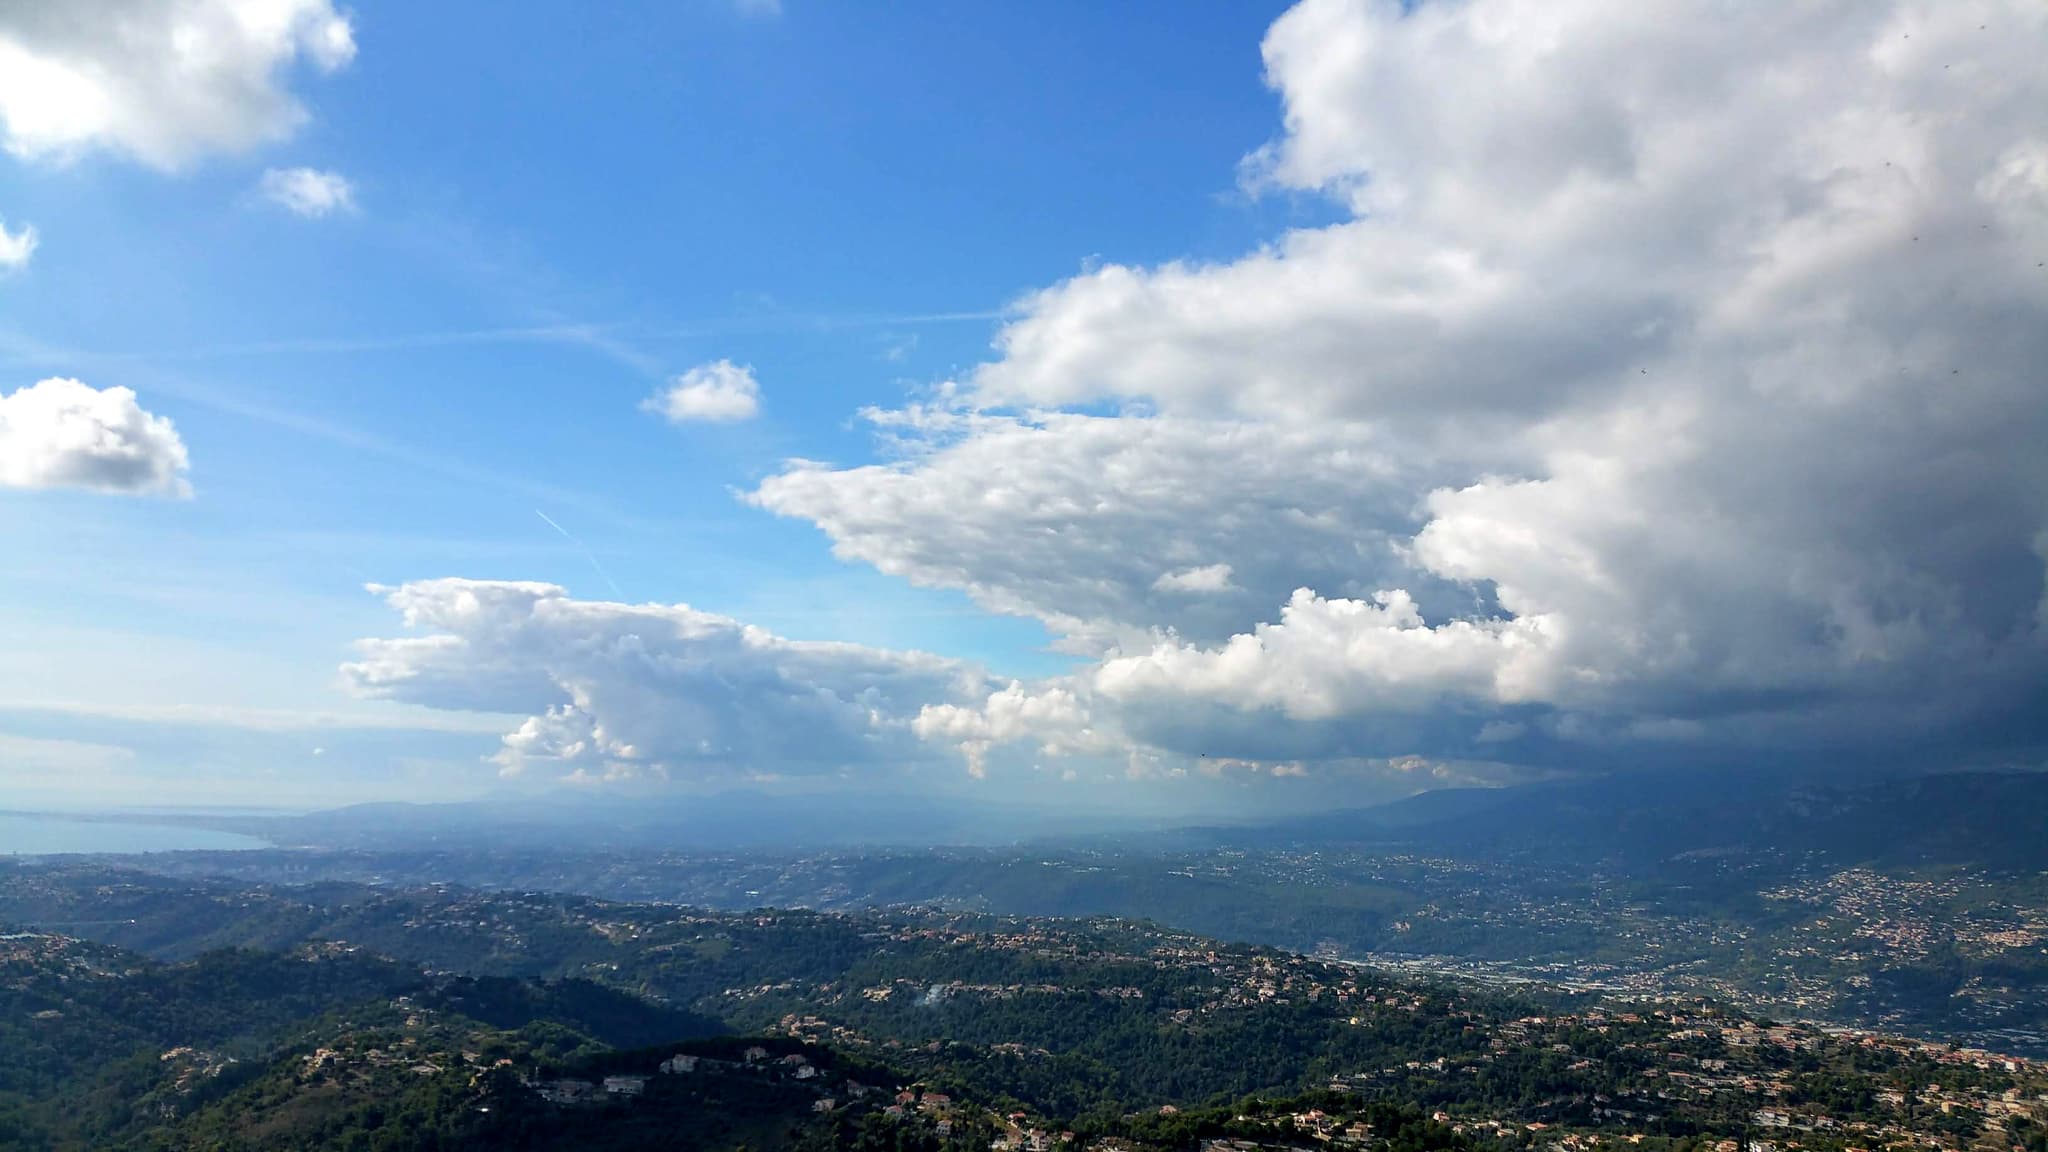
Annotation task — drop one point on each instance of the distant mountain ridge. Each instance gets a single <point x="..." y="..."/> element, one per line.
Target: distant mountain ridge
<point x="1990" y="819"/>
<point x="1986" y="819"/>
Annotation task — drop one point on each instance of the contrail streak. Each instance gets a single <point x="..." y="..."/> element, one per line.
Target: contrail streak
<point x="587" y="553"/>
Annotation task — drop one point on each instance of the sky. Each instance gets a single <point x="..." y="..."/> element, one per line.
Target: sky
<point x="1165" y="409"/>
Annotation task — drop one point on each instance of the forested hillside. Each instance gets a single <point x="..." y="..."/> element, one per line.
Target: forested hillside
<point x="446" y="1018"/>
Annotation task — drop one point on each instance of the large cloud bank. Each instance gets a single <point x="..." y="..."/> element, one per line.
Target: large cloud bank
<point x="1676" y="386"/>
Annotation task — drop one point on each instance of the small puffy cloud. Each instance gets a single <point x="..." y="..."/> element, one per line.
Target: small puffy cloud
<point x="163" y="83"/>
<point x="60" y="433"/>
<point x="16" y="247"/>
<point x="614" y="691"/>
<point x="1054" y="718"/>
<point x="1207" y="578"/>
<point x="308" y="192"/>
<point x="720" y="392"/>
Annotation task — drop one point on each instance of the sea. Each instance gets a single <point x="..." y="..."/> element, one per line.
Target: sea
<point x="26" y="834"/>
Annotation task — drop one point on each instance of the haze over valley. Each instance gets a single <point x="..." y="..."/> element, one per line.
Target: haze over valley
<point x="790" y="576"/>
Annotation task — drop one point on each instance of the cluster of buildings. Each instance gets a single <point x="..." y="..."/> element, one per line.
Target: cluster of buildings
<point x="626" y="1085"/>
<point x="1242" y="978"/>
<point x="1721" y="1065"/>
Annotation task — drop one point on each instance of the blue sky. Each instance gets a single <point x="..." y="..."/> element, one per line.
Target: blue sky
<point x="687" y="185"/>
<point x="843" y="199"/>
<point x="1393" y="286"/>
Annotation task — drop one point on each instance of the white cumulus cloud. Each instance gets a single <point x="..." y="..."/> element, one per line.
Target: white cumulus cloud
<point x="720" y="392"/>
<point x="1071" y="518"/>
<point x="16" y="247"/>
<point x="308" y="192"/>
<point x="1328" y="657"/>
<point x="1055" y="719"/>
<point x="162" y="81"/>
<point x="60" y="433"/>
<point x="622" y="689"/>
